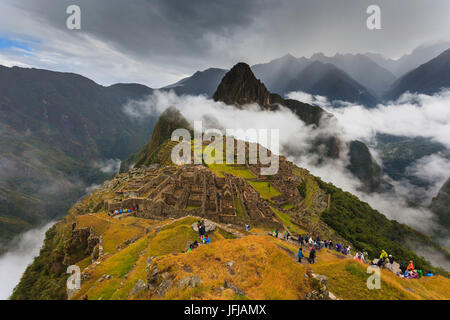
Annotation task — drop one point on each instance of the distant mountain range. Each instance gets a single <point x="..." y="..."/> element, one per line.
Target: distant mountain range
<point x="429" y="78"/>
<point x="399" y="67"/>
<point x="327" y="80"/>
<point x="365" y="79"/>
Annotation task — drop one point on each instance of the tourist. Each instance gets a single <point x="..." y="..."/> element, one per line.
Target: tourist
<point x="300" y="239"/>
<point x="383" y="254"/>
<point x="300" y="254"/>
<point x="202" y="230"/>
<point x="403" y="267"/>
<point x="206" y="239"/>
<point x="410" y="266"/>
<point x="247" y="227"/>
<point x="312" y="255"/>
<point x="390" y="265"/>
<point x="365" y="254"/>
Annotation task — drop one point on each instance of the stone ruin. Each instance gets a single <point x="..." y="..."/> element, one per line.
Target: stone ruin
<point x="174" y="191"/>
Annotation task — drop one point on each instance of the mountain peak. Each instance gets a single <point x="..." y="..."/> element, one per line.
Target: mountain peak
<point x="240" y="86"/>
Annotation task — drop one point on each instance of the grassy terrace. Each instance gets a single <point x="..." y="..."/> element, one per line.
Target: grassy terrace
<point x="237" y="171"/>
<point x="286" y="219"/>
<point x="263" y="188"/>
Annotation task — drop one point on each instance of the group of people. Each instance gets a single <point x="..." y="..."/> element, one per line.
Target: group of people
<point x="407" y="271"/>
<point x="361" y="256"/>
<point x="120" y="211"/>
<point x="312" y="255"/>
<point x="204" y="238"/>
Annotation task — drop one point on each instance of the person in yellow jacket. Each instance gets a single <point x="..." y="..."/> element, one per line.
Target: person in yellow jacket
<point x="383" y="257"/>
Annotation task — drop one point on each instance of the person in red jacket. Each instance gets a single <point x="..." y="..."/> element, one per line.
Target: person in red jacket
<point x="410" y="266"/>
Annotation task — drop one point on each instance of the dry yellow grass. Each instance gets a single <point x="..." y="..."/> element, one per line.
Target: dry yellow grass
<point x="348" y="280"/>
<point x="256" y="260"/>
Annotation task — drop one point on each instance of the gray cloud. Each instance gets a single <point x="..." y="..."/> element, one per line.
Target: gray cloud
<point x="156" y="42"/>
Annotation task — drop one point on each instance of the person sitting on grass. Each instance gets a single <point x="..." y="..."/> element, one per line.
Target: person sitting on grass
<point x="410" y="266"/>
<point x="403" y="267"/>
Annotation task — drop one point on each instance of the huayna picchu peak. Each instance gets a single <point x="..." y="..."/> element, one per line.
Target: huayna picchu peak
<point x="239" y="87"/>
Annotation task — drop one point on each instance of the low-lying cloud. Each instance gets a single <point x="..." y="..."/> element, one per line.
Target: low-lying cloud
<point x="109" y="166"/>
<point x="412" y="115"/>
<point x="13" y="263"/>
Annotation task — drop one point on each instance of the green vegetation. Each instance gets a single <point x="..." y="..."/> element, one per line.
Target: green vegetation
<point x="236" y="171"/>
<point x="308" y="190"/>
<point x="302" y="189"/>
<point x="368" y="229"/>
<point x="263" y="188"/>
<point x="286" y="219"/>
<point x="240" y="209"/>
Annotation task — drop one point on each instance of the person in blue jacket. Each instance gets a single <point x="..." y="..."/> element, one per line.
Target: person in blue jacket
<point x="300" y="254"/>
<point x="206" y="239"/>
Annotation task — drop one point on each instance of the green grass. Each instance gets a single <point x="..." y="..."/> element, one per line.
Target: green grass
<point x="286" y="219"/>
<point x="240" y="209"/>
<point x="237" y="171"/>
<point x="263" y="189"/>
<point x="312" y="188"/>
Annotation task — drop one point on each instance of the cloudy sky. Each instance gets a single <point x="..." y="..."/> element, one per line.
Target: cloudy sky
<point x="156" y="42"/>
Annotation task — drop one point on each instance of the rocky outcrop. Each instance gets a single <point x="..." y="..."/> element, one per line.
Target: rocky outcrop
<point x="319" y="286"/>
<point x="189" y="282"/>
<point x="209" y="226"/>
<point x="229" y="285"/>
<point x="81" y="244"/>
<point x="138" y="287"/>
